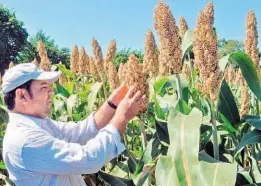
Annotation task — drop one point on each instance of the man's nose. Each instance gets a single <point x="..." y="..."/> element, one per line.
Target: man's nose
<point x="50" y="91"/>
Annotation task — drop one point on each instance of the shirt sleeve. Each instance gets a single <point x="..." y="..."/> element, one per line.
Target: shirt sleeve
<point x="78" y="132"/>
<point x="47" y="155"/>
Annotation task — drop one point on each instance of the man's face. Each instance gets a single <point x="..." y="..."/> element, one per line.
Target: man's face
<point x="40" y="102"/>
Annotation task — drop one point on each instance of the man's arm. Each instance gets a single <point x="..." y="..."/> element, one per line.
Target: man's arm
<point x="81" y="132"/>
<point x="45" y="154"/>
<point x="48" y="155"/>
<point x="105" y="113"/>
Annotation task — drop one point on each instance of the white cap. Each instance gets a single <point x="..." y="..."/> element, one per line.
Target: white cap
<point x="21" y="73"/>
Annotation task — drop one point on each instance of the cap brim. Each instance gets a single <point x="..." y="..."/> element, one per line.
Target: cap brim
<point x="49" y="76"/>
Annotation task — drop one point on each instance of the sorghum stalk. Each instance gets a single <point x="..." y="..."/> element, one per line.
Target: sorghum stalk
<point x="205" y="48"/>
<point x="74" y="66"/>
<point x="136" y="77"/>
<point x="251" y="43"/>
<point x="45" y="62"/>
<point x="183" y="27"/>
<point x="112" y="76"/>
<point x="82" y="61"/>
<point x="170" y="44"/>
<point x="109" y="55"/>
<point x="170" y="49"/>
<point x="150" y="59"/>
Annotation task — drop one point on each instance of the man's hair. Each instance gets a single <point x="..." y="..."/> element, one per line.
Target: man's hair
<point x="9" y="97"/>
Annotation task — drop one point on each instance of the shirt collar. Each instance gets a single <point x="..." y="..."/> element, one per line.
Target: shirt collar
<point x="26" y="119"/>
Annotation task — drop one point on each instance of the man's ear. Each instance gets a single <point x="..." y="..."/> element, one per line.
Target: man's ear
<point x="20" y="95"/>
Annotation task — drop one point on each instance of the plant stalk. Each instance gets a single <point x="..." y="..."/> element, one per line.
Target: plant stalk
<point x="179" y="90"/>
<point x="143" y="133"/>
<point x="192" y="70"/>
<point x="215" y="136"/>
<point x="257" y="107"/>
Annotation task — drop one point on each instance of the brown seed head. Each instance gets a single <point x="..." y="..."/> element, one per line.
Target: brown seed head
<point x="110" y="55"/>
<point x="170" y="49"/>
<point x="83" y="66"/>
<point x="186" y="71"/>
<point x="93" y="69"/>
<point x="251" y="40"/>
<point x="98" y="59"/>
<point x="231" y="74"/>
<point x="183" y="27"/>
<point x="150" y="59"/>
<point x="74" y="60"/>
<point x="205" y="48"/>
<point x="121" y="72"/>
<point x="113" y="77"/>
<point x="135" y="76"/>
<point x="244" y="102"/>
<point x="87" y="62"/>
<point x="239" y="78"/>
<point x="45" y="63"/>
<point x="213" y="84"/>
<point x="209" y="11"/>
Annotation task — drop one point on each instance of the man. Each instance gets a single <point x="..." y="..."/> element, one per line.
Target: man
<point x="40" y="151"/>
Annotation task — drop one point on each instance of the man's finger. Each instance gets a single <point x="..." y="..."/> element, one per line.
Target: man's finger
<point x="120" y="87"/>
<point x="131" y="92"/>
<point x="136" y="96"/>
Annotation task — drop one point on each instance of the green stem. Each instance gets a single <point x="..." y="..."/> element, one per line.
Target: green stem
<point x="143" y="133"/>
<point x="104" y="90"/>
<point x="192" y="70"/>
<point x="179" y="90"/>
<point x="215" y="136"/>
<point x="257" y="107"/>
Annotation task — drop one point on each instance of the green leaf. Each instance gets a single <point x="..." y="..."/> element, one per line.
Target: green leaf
<point x="187" y="43"/>
<point x="186" y="109"/>
<point x="159" y="113"/>
<point x="71" y="103"/>
<point x="181" y="166"/>
<point x="77" y="117"/>
<point x="255" y="170"/>
<point x="166" y="172"/>
<point x="243" y="178"/>
<point x="4" y="115"/>
<point x="254" y="121"/>
<point x="159" y="85"/>
<point x="203" y="156"/>
<point x="227" y="105"/>
<point x="93" y="95"/>
<point x="70" y="87"/>
<point x="114" y="180"/>
<point x="2" y="165"/>
<point x="62" y="90"/>
<point x="252" y="137"/>
<point x="248" y="70"/>
<point x="227" y="125"/>
<point x="63" y="69"/>
<point x="162" y="131"/>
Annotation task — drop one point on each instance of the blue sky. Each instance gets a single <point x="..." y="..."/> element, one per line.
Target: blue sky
<point x="76" y="22"/>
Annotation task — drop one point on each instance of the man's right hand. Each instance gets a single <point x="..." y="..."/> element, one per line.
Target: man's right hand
<point x="128" y="108"/>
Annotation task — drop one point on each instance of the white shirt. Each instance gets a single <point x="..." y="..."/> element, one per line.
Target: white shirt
<point x="49" y="153"/>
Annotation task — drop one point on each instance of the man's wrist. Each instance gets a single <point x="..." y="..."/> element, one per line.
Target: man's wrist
<point x="111" y="104"/>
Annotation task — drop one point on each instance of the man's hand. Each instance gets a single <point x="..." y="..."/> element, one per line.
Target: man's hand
<point x="127" y="109"/>
<point x="118" y="94"/>
<point x="105" y="113"/>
